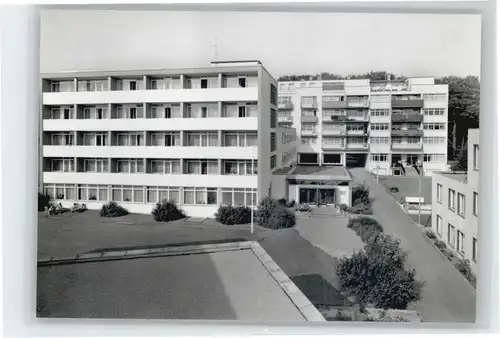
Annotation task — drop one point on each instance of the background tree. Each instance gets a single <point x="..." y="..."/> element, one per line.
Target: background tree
<point x="461" y="162"/>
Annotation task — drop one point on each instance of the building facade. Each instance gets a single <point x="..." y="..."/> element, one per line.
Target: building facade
<point x="455" y="205"/>
<point x="202" y="137"/>
<point x="389" y="127"/>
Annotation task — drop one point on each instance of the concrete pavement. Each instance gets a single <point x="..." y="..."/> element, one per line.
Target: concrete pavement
<point x="447" y="296"/>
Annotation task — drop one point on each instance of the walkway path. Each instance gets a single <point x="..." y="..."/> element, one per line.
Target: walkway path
<point x="447" y="296"/>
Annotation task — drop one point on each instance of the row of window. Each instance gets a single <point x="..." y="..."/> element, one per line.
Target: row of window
<point x="160" y="166"/>
<point x="287" y="137"/>
<point x="152" y="194"/>
<point x="435" y="158"/>
<point x="455" y="238"/>
<point x="434" y="126"/>
<point x="456" y="201"/>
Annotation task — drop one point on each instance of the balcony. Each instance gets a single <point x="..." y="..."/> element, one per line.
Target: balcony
<point x="285" y="106"/>
<point x="334" y="104"/>
<point x="356" y="133"/>
<point x="308" y="133"/>
<point x="332" y="146"/>
<point x="410" y="103"/>
<point x="407" y="132"/>
<point x="358" y="146"/>
<point x="333" y="132"/>
<point x="309" y="119"/>
<point x="406" y="146"/>
<point x="402" y="117"/>
<point x="358" y="104"/>
<point x="285" y="119"/>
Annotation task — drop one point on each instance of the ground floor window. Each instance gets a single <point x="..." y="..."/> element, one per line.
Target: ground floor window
<point x="439" y="225"/>
<point x="474" y="249"/>
<point x="200" y="196"/>
<point x="239" y="196"/>
<point x="308" y="158"/>
<point x="60" y="191"/>
<point x="127" y="193"/>
<point x="379" y="157"/>
<point x="92" y="192"/>
<point x="159" y="194"/>
<point x="332" y="158"/>
<point x="451" y="235"/>
<point x="317" y="196"/>
<point x="460" y="241"/>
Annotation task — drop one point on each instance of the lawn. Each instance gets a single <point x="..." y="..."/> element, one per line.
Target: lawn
<point x="408" y="186"/>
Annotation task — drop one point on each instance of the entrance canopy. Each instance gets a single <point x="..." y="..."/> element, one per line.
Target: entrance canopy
<point x="319" y="175"/>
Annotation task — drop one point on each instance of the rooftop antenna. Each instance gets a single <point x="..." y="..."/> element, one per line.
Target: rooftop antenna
<point x="214" y="45"/>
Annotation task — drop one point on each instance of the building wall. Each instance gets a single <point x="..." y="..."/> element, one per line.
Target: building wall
<point x="379" y="96"/>
<point x="222" y="89"/>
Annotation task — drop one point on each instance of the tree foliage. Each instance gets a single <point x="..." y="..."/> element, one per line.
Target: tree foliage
<point x="461" y="161"/>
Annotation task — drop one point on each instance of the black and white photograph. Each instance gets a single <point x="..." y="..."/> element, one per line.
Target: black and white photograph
<point x="258" y="166"/>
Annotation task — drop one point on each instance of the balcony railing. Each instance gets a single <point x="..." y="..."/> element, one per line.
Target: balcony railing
<point x="308" y="133"/>
<point x="333" y="131"/>
<point x="285" y="119"/>
<point x="334" y="104"/>
<point x="358" y="104"/>
<point x="402" y="117"/>
<point x="410" y="103"/>
<point x="356" y="132"/>
<point x="406" y="146"/>
<point x="407" y="132"/>
<point x="309" y="105"/>
<point x="285" y="105"/>
<point x="332" y="146"/>
<point x="357" y="146"/>
<point x="309" y="119"/>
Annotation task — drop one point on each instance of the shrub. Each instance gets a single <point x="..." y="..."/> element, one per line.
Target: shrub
<point x="439" y="244"/>
<point x="367" y="212"/>
<point x="280" y="219"/>
<point x="393" y="190"/>
<point x="291" y="204"/>
<point x="43" y="201"/>
<point x="282" y="201"/>
<point x="387" y="248"/>
<point x="361" y="195"/>
<point x="447" y="253"/>
<point x="463" y="266"/>
<point x="229" y="215"/>
<point x="365" y="227"/>
<point x="265" y="209"/>
<point x="343" y="207"/>
<point x="112" y="209"/>
<point x="429" y="233"/>
<point x="167" y="211"/>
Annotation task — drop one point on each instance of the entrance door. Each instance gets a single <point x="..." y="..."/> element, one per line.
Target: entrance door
<point x="308" y="195"/>
<point x="326" y="196"/>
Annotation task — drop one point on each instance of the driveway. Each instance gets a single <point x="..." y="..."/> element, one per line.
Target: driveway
<point x="447" y="296"/>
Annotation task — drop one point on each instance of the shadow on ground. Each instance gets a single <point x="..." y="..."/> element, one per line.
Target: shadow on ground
<point x="318" y="290"/>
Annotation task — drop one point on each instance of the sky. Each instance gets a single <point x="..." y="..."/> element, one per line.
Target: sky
<point x="286" y="43"/>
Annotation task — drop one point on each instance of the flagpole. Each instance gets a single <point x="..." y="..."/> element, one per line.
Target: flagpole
<point x="252" y="198"/>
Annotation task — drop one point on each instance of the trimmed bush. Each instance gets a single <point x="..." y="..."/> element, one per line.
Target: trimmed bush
<point x="43" y="201"/>
<point x="112" y="209"/>
<point x="167" y="211"/>
<point x="230" y="215"/>
<point x="429" y="233"/>
<point x="365" y="227"/>
<point x="271" y="214"/>
<point x="439" y="244"/>
<point x="463" y="266"/>
<point x="361" y="195"/>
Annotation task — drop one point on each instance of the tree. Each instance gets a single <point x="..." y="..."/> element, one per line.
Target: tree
<point x="461" y="161"/>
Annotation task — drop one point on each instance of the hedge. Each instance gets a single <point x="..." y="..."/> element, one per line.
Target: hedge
<point x="112" y="209"/>
<point x="230" y="215"/>
<point x="271" y="214"/>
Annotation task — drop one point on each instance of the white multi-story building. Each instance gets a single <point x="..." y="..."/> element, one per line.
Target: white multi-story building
<point x="373" y="124"/>
<point x="202" y="137"/>
<point x="455" y="204"/>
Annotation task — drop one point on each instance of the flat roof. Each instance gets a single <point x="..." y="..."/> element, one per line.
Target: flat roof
<point x="225" y="284"/>
<point x="282" y="171"/>
<point x="336" y="173"/>
<point x="460" y="177"/>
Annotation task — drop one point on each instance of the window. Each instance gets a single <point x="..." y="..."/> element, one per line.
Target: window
<point x="240" y="139"/>
<point x="133" y="85"/>
<point x="63" y="164"/>
<point x="88" y="192"/>
<point x="54" y="86"/>
<point x="165" y="166"/>
<point x="274" y="94"/>
<point x="240" y="167"/>
<point x="434" y="126"/>
<point x="379" y="126"/>
<point x="379" y="140"/>
<point x="379" y="157"/>
<point x="273" y="142"/>
<point x="202" y="139"/>
<point x="439" y="226"/>
<point x="204" y="112"/>
<point x="166" y="139"/>
<point x="474" y="249"/>
<point x="60" y="191"/>
<point x="204" y="83"/>
<point x="95" y="165"/>
<point x="439" y="190"/>
<point x="435" y="158"/>
<point x="238" y="196"/>
<point x="159" y="194"/>
<point x="167" y="112"/>
<point x="460" y="241"/>
<point x="62" y="139"/>
<point x="308" y="127"/>
<point x="451" y="235"/>
<point x="130" y="166"/>
<point x="133" y="113"/>
<point x="242" y="111"/>
<point x="242" y="81"/>
<point x="154" y="84"/>
<point x="130" y="139"/>
<point x="434" y="97"/>
<point x="476" y="156"/>
<point x="200" y="196"/>
<point x="475" y="204"/>
<point x="273" y="162"/>
<point x="461" y="204"/>
<point x="127" y="193"/>
<point x="274" y="118"/>
<point x="434" y="111"/>
<point x="379" y="112"/>
<point x="434" y="140"/>
<point x="308" y="140"/>
<point x="451" y="199"/>
<point x="201" y="167"/>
